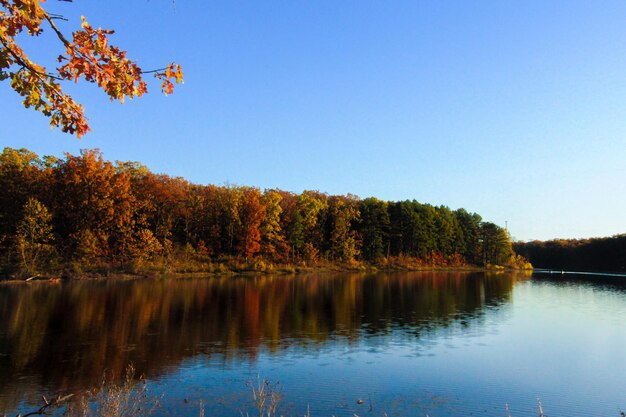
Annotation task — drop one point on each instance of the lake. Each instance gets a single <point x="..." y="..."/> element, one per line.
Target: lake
<point x="404" y="344"/>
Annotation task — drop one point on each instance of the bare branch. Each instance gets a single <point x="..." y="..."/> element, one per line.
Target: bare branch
<point x="154" y="70"/>
<point x="57" y="31"/>
<point x="59" y="401"/>
<point x="57" y="16"/>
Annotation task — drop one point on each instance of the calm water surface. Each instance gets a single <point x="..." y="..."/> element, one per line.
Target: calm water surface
<point x="407" y="344"/>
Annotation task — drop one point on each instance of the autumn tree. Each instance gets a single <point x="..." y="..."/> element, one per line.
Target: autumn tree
<point x="87" y="55"/>
<point x="272" y="235"/>
<point x="304" y="229"/>
<point x="343" y="212"/>
<point x="252" y="213"/>
<point x="144" y="245"/>
<point x="33" y="235"/>
<point x="209" y="228"/>
<point x="230" y="217"/>
<point x="288" y="207"/>
<point x="19" y="177"/>
<point x="141" y="244"/>
<point x="94" y="204"/>
<point x="161" y="198"/>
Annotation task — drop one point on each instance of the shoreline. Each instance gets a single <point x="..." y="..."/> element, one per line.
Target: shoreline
<point x="276" y="270"/>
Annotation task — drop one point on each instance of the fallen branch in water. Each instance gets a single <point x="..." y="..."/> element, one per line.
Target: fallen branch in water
<point x="58" y="402"/>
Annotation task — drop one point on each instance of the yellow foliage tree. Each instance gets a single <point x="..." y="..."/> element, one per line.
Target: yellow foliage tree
<point x="34" y="234"/>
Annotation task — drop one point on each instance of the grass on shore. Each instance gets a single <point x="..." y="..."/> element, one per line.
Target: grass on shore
<point x="195" y="265"/>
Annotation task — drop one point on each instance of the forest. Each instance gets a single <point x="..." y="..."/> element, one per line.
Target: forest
<point x="81" y="215"/>
<point x="606" y="254"/>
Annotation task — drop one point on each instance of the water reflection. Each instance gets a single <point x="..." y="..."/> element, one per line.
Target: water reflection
<point x="64" y="337"/>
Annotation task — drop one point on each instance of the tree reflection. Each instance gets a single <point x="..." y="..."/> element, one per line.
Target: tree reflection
<point x="64" y="337"/>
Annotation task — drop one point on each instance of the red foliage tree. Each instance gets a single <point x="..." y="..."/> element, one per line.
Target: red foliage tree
<point x="252" y="213"/>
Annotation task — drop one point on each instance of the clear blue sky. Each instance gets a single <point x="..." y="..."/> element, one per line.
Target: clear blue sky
<point x="513" y="110"/>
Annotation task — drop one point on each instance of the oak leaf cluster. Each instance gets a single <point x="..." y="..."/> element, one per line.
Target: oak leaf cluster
<point x="88" y="56"/>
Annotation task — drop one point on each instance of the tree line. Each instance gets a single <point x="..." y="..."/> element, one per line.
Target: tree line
<point x="596" y="254"/>
<point x="82" y="212"/>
